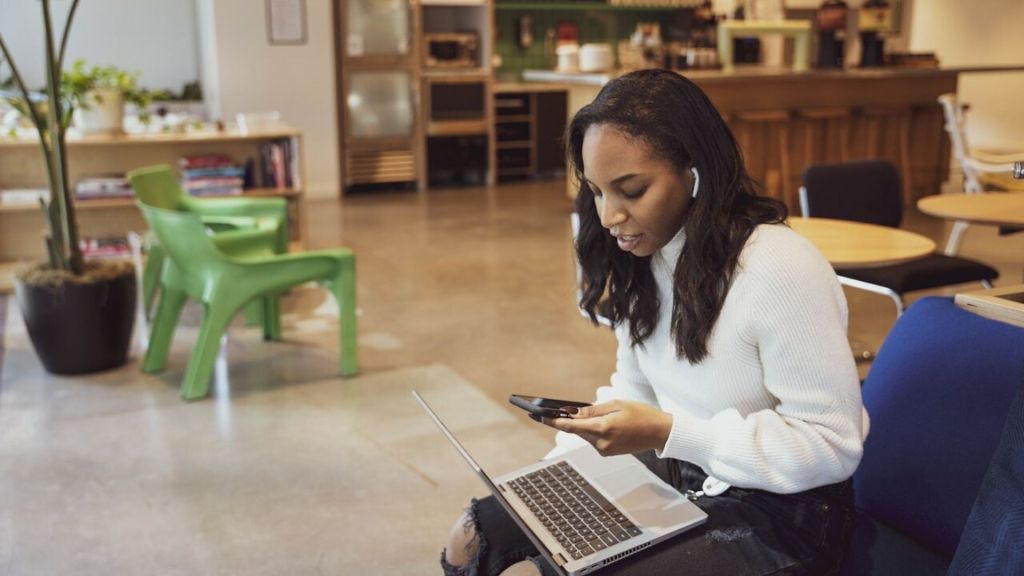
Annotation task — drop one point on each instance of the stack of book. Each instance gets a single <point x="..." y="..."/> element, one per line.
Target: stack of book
<point x="211" y="175"/>
<point x="103" y="187"/>
<point x="277" y="164"/>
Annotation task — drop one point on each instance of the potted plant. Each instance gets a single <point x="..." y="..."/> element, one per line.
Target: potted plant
<point x="79" y="315"/>
<point x="100" y="93"/>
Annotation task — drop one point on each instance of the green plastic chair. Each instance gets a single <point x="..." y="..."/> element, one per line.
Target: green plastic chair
<point x="160" y="188"/>
<point x="203" y="269"/>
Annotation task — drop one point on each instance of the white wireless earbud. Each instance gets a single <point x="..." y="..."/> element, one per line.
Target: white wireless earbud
<point x="696" y="181"/>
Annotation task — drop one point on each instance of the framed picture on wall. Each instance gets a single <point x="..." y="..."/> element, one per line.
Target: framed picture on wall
<point x="286" y="21"/>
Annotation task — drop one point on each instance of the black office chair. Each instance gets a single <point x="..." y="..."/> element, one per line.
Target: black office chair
<point x="870" y="192"/>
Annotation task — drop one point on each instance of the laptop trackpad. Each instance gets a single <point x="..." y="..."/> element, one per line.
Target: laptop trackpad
<point x="652" y="504"/>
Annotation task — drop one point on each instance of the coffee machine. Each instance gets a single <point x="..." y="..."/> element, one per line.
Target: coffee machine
<point x="831" y="23"/>
<point x="874" y="20"/>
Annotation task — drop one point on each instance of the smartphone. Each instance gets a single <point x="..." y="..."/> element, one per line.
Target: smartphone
<point x="543" y="407"/>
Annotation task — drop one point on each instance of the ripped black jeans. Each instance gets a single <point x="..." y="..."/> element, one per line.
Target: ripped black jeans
<point x="748" y="533"/>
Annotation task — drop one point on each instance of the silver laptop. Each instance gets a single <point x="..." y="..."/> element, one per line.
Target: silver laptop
<point x="584" y="511"/>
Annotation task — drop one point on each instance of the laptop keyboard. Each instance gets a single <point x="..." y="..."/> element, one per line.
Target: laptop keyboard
<point x="577" y="515"/>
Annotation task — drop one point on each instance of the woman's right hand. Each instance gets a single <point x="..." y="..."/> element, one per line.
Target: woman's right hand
<point x="617" y="427"/>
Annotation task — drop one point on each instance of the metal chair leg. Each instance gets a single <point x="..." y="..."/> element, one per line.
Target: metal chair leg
<point x="956" y="235"/>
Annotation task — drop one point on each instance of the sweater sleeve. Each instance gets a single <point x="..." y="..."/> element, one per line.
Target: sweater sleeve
<point x="796" y="317"/>
<point x="627" y="383"/>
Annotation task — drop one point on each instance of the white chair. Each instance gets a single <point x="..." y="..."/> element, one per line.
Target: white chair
<point x="982" y="172"/>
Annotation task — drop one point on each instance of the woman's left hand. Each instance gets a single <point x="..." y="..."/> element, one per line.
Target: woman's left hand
<point x="618" y="427"/>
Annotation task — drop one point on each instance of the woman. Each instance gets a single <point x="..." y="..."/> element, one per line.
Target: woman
<point x="734" y="377"/>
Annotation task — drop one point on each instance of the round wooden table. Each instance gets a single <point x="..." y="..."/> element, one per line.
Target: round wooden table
<point x="993" y="208"/>
<point x="849" y="244"/>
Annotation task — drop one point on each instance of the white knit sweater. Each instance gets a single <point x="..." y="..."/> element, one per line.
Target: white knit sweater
<point x="776" y="404"/>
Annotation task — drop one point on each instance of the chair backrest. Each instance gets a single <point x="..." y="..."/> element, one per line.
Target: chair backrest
<point x="157" y="186"/>
<point x="184" y="238"/>
<point x="938" y="394"/>
<point x="859" y="191"/>
<point x="953" y="112"/>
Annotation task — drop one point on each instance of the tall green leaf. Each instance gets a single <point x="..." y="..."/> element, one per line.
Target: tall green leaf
<point x="62" y="239"/>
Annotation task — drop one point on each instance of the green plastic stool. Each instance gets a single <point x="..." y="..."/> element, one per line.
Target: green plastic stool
<point x="203" y="270"/>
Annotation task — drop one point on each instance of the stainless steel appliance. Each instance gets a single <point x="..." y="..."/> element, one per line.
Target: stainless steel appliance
<point x="380" y="93"/>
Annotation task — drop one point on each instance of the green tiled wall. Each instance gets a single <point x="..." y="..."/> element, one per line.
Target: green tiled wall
<point x="594" y="26"/>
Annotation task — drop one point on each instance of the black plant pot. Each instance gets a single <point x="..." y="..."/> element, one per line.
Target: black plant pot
<point x="79" y="328"/>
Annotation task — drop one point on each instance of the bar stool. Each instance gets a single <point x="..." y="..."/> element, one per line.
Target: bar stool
<point x="876" y="118"/>
<point x="748" y="124"/>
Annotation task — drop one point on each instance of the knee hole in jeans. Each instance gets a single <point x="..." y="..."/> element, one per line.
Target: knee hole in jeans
<point x="473" y="545"/>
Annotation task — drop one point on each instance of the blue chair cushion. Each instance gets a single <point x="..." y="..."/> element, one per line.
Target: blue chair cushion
<point x="938" y="395"/>
<point x="879" y="550"/>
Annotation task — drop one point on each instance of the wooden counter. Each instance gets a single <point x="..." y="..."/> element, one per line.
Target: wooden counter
<point x="744" y="74"/>
<point x="531" y="87"/>
<point x="786" y="120"/>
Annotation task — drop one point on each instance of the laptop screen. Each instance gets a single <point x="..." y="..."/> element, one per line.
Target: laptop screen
<point x="487" y="480"/>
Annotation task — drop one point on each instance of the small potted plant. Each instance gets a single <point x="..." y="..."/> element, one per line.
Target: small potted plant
<point x="99" y="93"/>
<point x="79" y="315"/>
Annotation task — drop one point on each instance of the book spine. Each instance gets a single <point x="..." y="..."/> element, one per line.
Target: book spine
<point x="277" y="154"/>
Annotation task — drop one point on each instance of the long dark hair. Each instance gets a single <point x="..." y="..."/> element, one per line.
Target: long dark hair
<point x="674" y="118"/>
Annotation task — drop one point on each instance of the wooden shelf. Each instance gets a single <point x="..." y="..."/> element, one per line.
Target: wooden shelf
<point x="144" y="139"/>
<point x="117" y="154"/>
<point x="105" y="203"/>
<point x="455" y="74"/>
<point x="578" y="6"/>
<point x="513" y="118"/>
<point x="456" y="127"/>
<point x="523" y="171"/>
<point x="531" y="132"/>
<point x="272" y="192"/>
<point x="450" y="92"/>
<point x="458" y="3"/>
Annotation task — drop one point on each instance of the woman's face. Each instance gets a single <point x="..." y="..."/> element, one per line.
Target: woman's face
<point x="640" y="198"/>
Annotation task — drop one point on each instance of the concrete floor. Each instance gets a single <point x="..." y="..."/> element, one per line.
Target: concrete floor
<point x="466" y="294"/>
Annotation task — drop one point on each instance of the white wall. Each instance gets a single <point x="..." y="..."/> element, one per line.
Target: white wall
<point x="245" y="73"/>
<point x="154" y="37"/>
<point x="969" y="33"/>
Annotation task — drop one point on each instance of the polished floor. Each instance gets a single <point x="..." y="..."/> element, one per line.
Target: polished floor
<point x="465" y="294"/>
